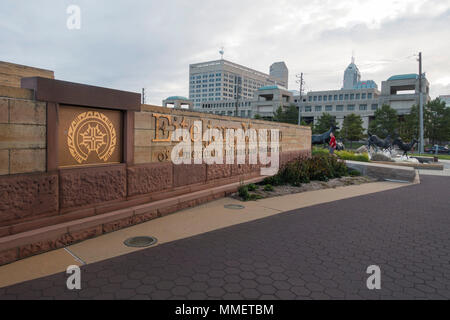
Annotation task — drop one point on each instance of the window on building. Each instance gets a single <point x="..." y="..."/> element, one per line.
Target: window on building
<point x="357" y="96"/>
<point x="339" y="108"/>
<point x="369" y="95"/>
<point x="352" y="96"/>
<point x="328" y="108"/>
<point x="341" y="97"/>
<point x="325" y="98"/>
<point x="318" y="108"/>
<point x="320" y="98"/>
<point x="346" y="97"/>
<point x="374" y="106"/>
<point x="335" y="97"/>
<point x="315" y="98"/>
<point x="309" y="98"/>
<point x="307" y="108"/>
<point x="363" y="95"/>
<point x="362" y="107"/>
<point x="351" y="107"/>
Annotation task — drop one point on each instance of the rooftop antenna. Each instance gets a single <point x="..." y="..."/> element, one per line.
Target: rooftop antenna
<point x="353" y="56"/>
<point x="221" y="53"/>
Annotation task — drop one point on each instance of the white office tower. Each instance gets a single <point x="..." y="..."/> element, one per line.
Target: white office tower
<point x="279" y="70"/>
<point x="351" y="75"/>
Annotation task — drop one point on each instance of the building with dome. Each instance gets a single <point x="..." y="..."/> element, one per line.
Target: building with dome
<point x="178" y="102"/>
<point x="362" y="97"/>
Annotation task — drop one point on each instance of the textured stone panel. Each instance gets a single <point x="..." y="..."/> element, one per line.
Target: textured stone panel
<point x="27" y="160"/>
<point x="27" y="112"/>
<point x="218" y="171"/>
<point x="86" y="186"/>
<point x="8" y="256"/>
<point x="149" y="178"/>
<point x="185" y="174"/>
<point x="24" y="196"/>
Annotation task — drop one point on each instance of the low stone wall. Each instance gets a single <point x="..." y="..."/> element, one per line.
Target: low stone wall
<point x="383" y="171"/>
<point x="38" y="190"/>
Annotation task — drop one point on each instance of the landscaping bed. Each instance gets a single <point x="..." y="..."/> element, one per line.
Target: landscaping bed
<point x="321" y="171"/>
<point x="260" y="193"/>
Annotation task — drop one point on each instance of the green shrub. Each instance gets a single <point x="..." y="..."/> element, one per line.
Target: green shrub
<point x="268" y="187"/>
<point x="254" y="197"/>
<point x="251" y="187"/>
<point x="273" y="180"/>
<point x="243" y="193"/>
<point x="319" y="167"/>
<point x="349" y="155"/>
<point x="353" y="172"/>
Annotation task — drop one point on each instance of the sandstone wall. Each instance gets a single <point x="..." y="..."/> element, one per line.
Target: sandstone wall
<point x="22" y="132"/>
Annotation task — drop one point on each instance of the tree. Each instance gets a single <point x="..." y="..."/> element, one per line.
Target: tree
<point x="257" y="116"/>
<point x="352" y="129"/>
<point x="409" y="128"/>
<point x="437" y="121"/>
<point x="385" y="122"/>
<point x="290" y="115"/>
<point x="324" y="123"/>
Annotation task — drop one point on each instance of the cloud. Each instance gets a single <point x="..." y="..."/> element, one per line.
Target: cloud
<point x="133" y="44"/>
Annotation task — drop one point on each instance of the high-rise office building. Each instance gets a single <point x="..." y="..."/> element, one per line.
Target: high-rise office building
<point x="222" y="80"/>
<point x="279" y="70"/>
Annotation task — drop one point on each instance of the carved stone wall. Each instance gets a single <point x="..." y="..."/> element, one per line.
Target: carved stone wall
<point x="87" y="186"/>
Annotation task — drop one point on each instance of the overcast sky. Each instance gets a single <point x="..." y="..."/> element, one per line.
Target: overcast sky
<point x="133" y="44"/>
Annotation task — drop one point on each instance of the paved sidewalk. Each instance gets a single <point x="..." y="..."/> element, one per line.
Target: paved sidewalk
<point x="317" y="252"/>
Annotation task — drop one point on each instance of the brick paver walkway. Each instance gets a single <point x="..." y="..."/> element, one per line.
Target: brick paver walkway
<point x="319" y="252"/>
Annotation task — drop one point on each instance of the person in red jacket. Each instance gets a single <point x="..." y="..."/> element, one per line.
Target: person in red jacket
<point x="332" y="143"/>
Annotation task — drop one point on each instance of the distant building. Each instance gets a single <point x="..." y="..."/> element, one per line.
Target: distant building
<point x="267" y="100"/>
<point x="178" y="102"/>
<point x="361" y="97"/>
<point x="222" y="80"/>
<point x="279" y="70"/>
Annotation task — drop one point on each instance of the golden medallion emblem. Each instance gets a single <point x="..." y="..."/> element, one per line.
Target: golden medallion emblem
<point x="91" y="132"/>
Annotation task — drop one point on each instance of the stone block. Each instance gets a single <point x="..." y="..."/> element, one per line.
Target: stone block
<point x="27" y="160"/>
<point x="4" y="162"/>
<point x="4" y="110"/>
<point x="88" y="186"/>
<point x="142" y="155"/>
<point x="27" y="112"/>
<point x="186" y="174"/>
<point x="17" y="136"/>
<point x="149" y="178"/>
<point x="25" y="196"/>
<point x="144" y="120"/>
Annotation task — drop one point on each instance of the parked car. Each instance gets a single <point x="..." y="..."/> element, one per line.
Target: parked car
<point x="441" y="150"/>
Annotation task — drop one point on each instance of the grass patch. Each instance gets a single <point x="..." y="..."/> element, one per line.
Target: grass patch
<point x="349" y="155"/>
<point x="440" y="156"/>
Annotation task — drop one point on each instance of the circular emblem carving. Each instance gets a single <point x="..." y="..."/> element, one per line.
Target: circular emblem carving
<point x="91" y="132"/>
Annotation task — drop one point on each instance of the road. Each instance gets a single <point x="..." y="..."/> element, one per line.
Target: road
<point x="317" y="252"/>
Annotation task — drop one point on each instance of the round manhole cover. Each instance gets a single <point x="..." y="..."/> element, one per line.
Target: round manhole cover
<point x="234" y="206"/>
<point x="140" y="242"/>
